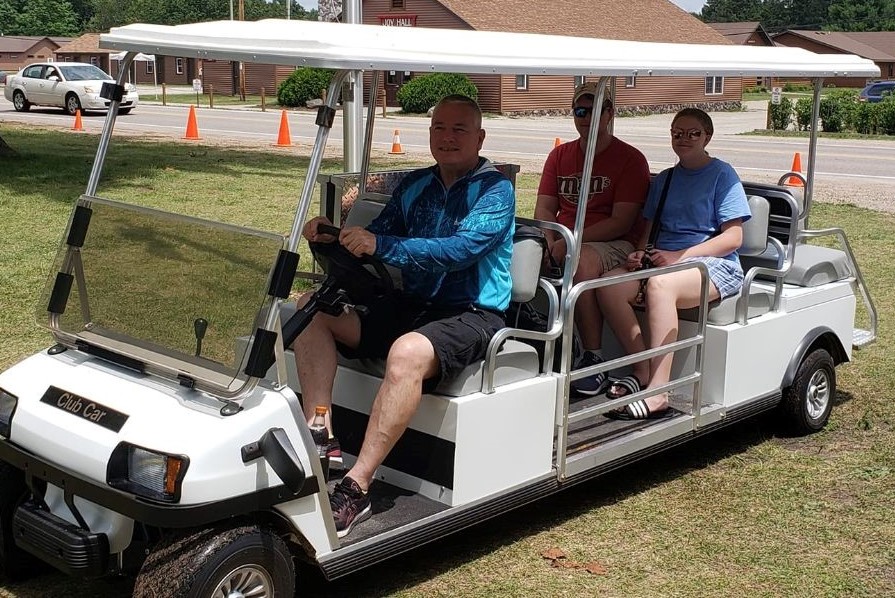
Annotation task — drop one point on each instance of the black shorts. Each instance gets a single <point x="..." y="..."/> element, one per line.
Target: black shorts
<point x="460" y="336"/>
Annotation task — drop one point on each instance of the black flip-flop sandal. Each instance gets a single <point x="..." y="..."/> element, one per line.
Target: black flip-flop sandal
<point x="623" y="387"/>
<point x="639" y="410"/>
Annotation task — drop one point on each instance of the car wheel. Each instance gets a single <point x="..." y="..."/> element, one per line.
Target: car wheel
<point x="219" y="562"/>
<point x="15" y="563"/>
<point x="124" y="110"/>
<point x="72" y="104"/>
<point x="19" y="102"/>
<point x="807" y="403"/>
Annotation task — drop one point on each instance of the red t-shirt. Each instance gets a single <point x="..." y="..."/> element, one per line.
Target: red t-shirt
<point x="620" y="174"/>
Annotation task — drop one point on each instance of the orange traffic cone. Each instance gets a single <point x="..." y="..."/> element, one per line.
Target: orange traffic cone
<point x="396" y="144"/>
<point x="78" y="126"/>
<point x="192" y="127"/>
<point x="557" y="142"/>
<point x="284" y="139"/>
<point x="794" y="181"/>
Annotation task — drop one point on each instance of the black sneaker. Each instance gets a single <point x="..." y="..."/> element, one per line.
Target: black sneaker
<point x="350" y="506"/>
<point x="590" y="386"/>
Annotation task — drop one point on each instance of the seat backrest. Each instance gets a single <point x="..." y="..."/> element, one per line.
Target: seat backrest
<point x="528" y="247"/>
<point x="755" y="230"/>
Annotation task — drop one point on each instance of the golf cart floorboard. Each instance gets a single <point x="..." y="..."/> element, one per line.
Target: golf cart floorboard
<point x="393" y="507"/>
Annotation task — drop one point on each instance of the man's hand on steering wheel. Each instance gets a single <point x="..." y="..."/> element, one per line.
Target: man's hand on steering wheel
<point x="357" y="240"/>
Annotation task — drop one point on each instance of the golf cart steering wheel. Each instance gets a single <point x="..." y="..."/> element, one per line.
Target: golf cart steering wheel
<point x="351" y="272"/>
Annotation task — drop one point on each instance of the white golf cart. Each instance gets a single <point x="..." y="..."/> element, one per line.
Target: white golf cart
<point x="162" y="434"/>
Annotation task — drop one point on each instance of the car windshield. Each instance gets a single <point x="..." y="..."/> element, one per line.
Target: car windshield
<point x="83" y="72"/>
<point x="144" y="281"/>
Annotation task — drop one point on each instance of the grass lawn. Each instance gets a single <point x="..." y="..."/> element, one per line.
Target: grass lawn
<point x="741" y="513"/>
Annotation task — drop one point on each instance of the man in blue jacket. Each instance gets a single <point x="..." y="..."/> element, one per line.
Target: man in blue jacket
<point x="449" y="228"/>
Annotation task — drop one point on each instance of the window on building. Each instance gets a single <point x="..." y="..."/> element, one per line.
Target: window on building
<point x="579" y="80"/>
<point x="714" y="86"/>
<point x="150" y="67"/>
<point x="630" y="81"/>
<point x="399" y="4"/>
<point x="178" y="66"/>
<point x="522" y="82"/>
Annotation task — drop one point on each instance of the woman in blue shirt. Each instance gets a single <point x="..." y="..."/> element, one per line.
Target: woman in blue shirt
<point x="701" y="220"/>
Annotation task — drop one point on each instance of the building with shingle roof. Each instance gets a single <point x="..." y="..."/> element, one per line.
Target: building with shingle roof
<point x="639" y="20"/>
<point x="878" y="46"/>
<point x="744" y="33"/>
<point x="165" y="69"/>
<point x="17" y="51"/>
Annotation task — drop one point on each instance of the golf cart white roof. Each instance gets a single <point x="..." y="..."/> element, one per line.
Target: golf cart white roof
<point x="373" y="47"/>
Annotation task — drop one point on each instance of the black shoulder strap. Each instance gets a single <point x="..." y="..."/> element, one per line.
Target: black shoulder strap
<point x="654" y="231"/>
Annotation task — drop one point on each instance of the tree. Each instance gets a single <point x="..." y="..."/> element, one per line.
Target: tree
<point x="861" y="15"/>
<point x="9" y="10"/>
<point x="47" y="17"/>
<point x="730" y="11"/>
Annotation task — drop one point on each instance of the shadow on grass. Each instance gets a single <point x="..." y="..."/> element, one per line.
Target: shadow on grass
<point x="57" y="165"/>
<point x="464" y="547"/>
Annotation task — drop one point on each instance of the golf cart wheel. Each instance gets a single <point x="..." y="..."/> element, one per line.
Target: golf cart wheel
<point x="218" y="562"/>
<point x="19" y="102"/>
<point x="123" y="111"/>
<point x="15" y="563"/>
<point x="807" y="403"/>
<point x="72" y="103"/>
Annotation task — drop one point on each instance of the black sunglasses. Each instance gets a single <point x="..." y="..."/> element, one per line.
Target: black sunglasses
<point x="582" y="111"/>
<point x="691" y="134"/>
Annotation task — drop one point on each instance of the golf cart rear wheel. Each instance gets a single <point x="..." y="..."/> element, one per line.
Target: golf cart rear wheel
<point x="219" y="562"/>
<point x="15" y="563"/>
<point x="807" y="403"/>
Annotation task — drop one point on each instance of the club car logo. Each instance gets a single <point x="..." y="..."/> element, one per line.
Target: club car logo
<point x="84" y="408"/>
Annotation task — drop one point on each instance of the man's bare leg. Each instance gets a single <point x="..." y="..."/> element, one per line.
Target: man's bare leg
<point x="410" y="361"/>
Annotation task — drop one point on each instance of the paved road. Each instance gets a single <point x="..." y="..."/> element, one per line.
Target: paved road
<point x="520" y="140"/>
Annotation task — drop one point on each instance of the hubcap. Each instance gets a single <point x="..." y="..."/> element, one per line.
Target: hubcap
<point x="251" y="581"/>
<point x="19" y="100"/>
<point x="818" y="394"/>
<point x="73" y="104"/>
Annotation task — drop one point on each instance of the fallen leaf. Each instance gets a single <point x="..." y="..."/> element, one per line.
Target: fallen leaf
<point x="564" y="564"/>
<point x="553" y="554"/>
<point x="595" y="568"/>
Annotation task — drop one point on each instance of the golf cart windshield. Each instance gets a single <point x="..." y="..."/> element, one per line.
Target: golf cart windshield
<point x="160" y="291"/>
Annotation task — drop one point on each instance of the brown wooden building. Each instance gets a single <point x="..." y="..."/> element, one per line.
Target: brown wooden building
<point x="18" y="51"/>
<point x="173" y="70"/>
<point x="878" y="46"/>
<point x="746" y="33"/>
<point x="638" y="20"/>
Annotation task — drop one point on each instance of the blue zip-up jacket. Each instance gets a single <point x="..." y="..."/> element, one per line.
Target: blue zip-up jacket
<point x="453" y="246"/>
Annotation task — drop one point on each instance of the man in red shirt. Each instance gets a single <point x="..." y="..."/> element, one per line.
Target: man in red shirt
<point x="618" y="186"/>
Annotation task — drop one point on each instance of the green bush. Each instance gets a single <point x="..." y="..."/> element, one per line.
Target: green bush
<point x="804" y="109"/>
<point x="780" y="114"/>
<point x="885" y="113"/>
<point x="835" y="109"/>
<point x="302" y="85"/>
<point x="864" y="118"/>
<point x="421" y="93"/>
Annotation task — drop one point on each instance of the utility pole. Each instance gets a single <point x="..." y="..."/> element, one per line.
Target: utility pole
<point x="242" y="71"/>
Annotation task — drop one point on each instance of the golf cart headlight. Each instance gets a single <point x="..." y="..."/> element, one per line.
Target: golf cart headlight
<point x="130" y="87"/>
<point x="8" y="404"/>
<point x="147" y="473"/>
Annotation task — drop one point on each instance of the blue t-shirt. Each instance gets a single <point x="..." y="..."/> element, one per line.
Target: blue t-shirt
<point x="698" y="203"/>
<point x="453" y="246"/>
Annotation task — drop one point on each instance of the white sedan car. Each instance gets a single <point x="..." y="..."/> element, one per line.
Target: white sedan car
<point x="72" y="86"/>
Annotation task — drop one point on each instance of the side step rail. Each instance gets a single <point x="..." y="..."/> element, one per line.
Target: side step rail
<point x="860" y="337"/>
<point x="564" y="419"/>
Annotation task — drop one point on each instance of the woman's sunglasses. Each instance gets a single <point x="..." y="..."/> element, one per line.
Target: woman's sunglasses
<point x="692" y="134"/>
<point x="582" y="111"/>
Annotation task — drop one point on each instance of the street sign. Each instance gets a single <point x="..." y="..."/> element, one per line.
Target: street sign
<point x="776" y="94"/>
<point x="197" y="85"/>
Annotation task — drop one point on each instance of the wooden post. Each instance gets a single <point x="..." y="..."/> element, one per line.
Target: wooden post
<point x="381" y="95"/>
<point x="263" y="106"/>
<point x="211" y="96"/>
<point x="164" y="94"/>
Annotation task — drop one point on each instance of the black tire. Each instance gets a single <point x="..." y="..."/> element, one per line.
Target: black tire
<point x="15" y="563"/>
<point x="123" y="111"/>
<point x="807" y="403"/>
<point x="214" y="562"/>
<point x="73" y="104"/>
<point x="19" y="102"/>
